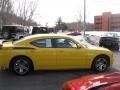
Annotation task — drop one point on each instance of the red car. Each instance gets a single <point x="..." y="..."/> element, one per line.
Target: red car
<point x="74" y="33"/>
<point x="104" y="81"/>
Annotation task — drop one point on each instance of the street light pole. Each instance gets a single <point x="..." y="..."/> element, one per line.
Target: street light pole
<point x="84" y="18"/>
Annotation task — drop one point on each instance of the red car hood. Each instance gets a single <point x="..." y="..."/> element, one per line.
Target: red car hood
<point x="91" y="81"/>
<point x="114" y="86"/>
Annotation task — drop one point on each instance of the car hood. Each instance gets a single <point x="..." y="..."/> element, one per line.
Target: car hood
<point x="98" y="48"/>
<point x="91" y="81"/>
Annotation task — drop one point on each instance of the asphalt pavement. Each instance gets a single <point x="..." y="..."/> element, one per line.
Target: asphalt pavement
<point x="46" y="80"/>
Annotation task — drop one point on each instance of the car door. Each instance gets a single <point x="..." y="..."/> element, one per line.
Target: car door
<point x="68" y="54"/>
<point x="44" y="53"/>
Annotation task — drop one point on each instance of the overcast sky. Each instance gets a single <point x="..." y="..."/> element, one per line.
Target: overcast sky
<point x="49" y="10"/>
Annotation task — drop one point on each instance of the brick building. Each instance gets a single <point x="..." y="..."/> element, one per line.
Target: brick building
<point x="107" y="22"/>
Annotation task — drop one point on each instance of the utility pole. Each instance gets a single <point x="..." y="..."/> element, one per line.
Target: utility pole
<point x="84" y="29"/>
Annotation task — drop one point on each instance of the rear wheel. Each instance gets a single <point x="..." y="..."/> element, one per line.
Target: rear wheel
<point x="100" y="64"/>
<point x="21" y="65"/>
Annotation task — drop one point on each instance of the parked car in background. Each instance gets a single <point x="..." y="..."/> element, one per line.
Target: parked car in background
<point x="74" y="33"/>
<point x="13" y="32"/>
<point x="109" y="42"/>
<point x="104" y="81"/>
<point x="39" y="30"/>
<point x="52" y="52"/>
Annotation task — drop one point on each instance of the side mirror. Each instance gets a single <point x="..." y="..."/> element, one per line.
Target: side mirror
<point x="78" y="46"/>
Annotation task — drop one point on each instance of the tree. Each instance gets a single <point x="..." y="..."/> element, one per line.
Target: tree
<point x="89" y="26"/>
<point x="5" y="11"/>
<point x="60" y="25"/>
<point x="78" y="25"/>
<point x="79" y="22"/>
<point x="26" y="10"/>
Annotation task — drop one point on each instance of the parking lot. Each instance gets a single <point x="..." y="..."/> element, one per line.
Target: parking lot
<point x="46" y="80"/>
<point x="34" y="35"/>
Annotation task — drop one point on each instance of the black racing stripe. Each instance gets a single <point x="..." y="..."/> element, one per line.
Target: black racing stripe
<point x="23" y="48"/>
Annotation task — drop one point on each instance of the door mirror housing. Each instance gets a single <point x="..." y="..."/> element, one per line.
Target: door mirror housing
<point x="78" y="46"/>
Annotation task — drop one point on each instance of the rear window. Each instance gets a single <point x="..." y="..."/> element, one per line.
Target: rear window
<point x="109" y="39"/>
<point x="13" y="29"/>
<point x="9" y="29"/>
<point x="39" y="30"/>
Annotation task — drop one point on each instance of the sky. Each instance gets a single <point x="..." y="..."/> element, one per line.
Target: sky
<point x="48" y="11"/>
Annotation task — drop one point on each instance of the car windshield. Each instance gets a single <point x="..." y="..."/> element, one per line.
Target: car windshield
<point x="82" y="41"/>
<point x="111" y="34"/>
<point x="13" y="29"/>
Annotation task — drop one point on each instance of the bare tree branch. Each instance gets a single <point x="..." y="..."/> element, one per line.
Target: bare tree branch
<point x="5" y="11"/>
<point x="26" y="9"/>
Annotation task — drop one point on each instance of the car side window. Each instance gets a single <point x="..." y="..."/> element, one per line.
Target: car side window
<point x="64" y="43"/>
<point x="42" y="43"/>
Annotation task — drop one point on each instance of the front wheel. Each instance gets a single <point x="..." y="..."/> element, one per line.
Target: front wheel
<point x="100" y="64"/>
<point x="21" y="65"/>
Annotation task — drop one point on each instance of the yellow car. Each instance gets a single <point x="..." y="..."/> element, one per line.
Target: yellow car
<point x="52" y="52"/>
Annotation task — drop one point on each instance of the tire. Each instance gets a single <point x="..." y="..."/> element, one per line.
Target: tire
<point x="21" y="66"/>
<point x="100" y="64"/>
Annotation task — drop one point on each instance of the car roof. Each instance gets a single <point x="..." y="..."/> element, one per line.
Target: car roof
<point x="46" y="35"/>
<point x="13" y="25"/>
<point x="42" y="35"/>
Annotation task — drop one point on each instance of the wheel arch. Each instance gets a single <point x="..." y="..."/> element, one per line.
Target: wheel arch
<point x="108" y="58"/>
<point x="32" y="64"/>
<point x="21" y="37"/>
